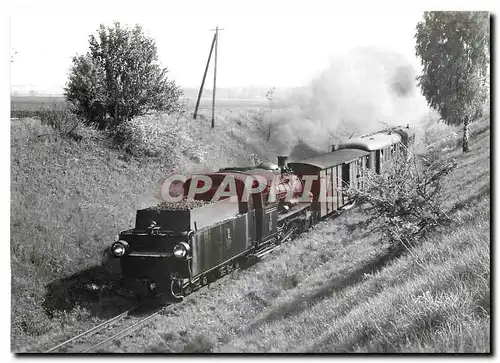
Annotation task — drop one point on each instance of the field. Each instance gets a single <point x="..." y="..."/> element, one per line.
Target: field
<point x="28" y="105"/>
<point x="335" y="289"/>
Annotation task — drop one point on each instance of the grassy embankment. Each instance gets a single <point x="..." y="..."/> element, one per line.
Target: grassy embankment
<point x="70" y="198"/>
<point x="334" y="289"/>
<point x="338" y="289"/>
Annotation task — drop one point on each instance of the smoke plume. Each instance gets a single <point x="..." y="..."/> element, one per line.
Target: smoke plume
<point x="360" y="92"/>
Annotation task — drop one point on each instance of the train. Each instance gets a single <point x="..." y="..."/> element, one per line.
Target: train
<point x="178" y="247"/>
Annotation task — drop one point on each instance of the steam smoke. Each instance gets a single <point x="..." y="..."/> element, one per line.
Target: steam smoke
<point x="360" y="92"/>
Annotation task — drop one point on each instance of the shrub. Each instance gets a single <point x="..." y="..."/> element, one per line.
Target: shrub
<point x="154" y="137"/>
<point x="60" y="118"/>
<point x="406" y="201"/>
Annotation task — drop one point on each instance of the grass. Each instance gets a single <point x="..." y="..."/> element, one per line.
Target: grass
<point x="70" y="198"/>
<point x="338" y="288"/>
<point x="341" y="290"/>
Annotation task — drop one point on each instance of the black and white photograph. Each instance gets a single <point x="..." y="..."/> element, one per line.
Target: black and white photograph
<point x="208" y="177"/>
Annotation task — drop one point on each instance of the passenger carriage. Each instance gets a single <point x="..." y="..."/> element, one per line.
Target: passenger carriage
<point x="331" y="174"/>
<point x="382" y="149"/>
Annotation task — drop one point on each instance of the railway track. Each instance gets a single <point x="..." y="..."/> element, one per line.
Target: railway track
<point x="106" y="332"/>
<point x="116" y="327"/>
<point x="125" y="323"/>
<point x="122" y="324"/>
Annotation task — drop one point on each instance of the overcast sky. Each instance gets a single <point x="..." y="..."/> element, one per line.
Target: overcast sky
<point x="263" y="45"/>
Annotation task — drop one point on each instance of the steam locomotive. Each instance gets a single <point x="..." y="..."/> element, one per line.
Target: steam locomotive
<point x="181" y="248"/>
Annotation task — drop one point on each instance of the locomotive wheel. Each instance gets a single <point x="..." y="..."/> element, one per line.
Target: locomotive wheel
<point x="212" y="276"/>
<point x="187" y="290"/>
<point x="204" y="280"/>
<point x="251" y="260"/>
<point x="221" y="271"/>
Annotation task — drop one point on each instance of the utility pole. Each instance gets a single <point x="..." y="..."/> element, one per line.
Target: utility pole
<point x="214" y="44"/>
<point x="216" y="37"/>
<point x="204" y="76"/>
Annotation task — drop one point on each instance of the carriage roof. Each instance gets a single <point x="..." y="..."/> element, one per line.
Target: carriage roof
<point x="328" y="160"/>
<point x="372" y="142"/>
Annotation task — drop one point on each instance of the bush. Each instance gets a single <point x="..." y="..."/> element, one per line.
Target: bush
<point x="60" y="118"/>
<point x="24" y="113"/>
<point x="138" y="138"/>
<point x="406" y="201"/>
<point x="162" y="137"/>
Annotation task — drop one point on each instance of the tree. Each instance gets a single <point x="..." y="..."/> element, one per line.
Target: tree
<point x="119" y="78"/>
<point x="454" y="51"/>
<point x="271" y="124"/>
<point x="13" y="52"/>
<point x="270" y="98"/>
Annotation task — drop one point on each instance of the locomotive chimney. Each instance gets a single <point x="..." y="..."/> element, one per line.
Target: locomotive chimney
<point x="282" y="162"/>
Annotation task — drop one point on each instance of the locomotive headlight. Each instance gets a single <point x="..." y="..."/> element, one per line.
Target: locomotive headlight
<point x="119" y="248"/>
<point x="181" y="250"/>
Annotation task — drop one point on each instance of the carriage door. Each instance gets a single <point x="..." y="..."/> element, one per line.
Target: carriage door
<point x="361" y="172"/>
<point x="340" y="183"/>
<point x="322" y="192"/>
<point x="329" y="191"/>
<point x="378" y="160"/>
<point x="346" y="175"/>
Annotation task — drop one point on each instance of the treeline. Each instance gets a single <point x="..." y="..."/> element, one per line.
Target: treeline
<point x="250" y="92"/>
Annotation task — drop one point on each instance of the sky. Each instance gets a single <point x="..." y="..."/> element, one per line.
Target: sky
<point x="280" y="44"/>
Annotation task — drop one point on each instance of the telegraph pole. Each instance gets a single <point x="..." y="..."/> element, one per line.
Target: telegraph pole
<point x="215" y="41"/>
<point x="215" y="76"/>
<point x="204" y="76"/>
<point x="216" y="38"/>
